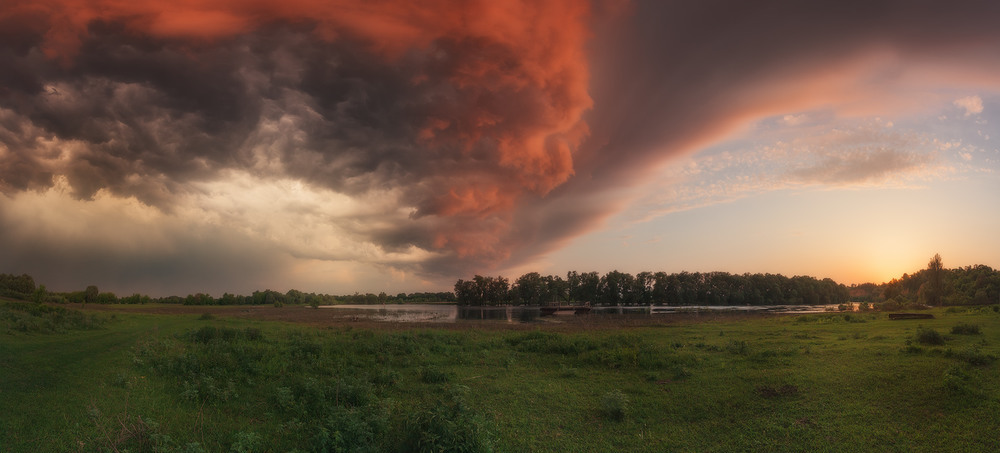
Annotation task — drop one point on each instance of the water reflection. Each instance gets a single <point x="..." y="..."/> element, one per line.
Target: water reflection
<point x="453" y="313"/>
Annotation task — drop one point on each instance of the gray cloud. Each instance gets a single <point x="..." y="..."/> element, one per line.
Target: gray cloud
<point x="156" y="117"/>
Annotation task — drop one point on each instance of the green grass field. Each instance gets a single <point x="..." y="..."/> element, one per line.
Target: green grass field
<point x="825" y="382"/>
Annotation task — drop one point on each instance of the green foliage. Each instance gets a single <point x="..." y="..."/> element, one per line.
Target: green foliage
<point x="433" y="375"/>
<point x="233" y="385"/>
<point x="738" y="347"/>
<point x="965" y="329"/>
<point x="449" y="426"/>
<point x="19" y="286"/>
<point x="246" y="442"/>
<point x="973" y="356"/>
<point x="956" y="380"/>
<point x="614" y="405"/>
<point x="929" y="337"/>
<point x="37" y="318"/>
<point x="617" y="288"/>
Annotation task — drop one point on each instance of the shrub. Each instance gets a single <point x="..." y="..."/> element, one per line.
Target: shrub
<point x="614" y="405"/>
<point x="738" y="347"/>
<point x="449" y="426"/>
<point x="972" y="356"/>
<point x="965" y="329"/>
<point x="956" y="380"/>
<point x="245" y="442"/>
<point x="929" y="337"/>
<point x="434" y="376"/>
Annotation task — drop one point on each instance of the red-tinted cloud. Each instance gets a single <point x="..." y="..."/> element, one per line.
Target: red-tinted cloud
<point x="501" y="87"/>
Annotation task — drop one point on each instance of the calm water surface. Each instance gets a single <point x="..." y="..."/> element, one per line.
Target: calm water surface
<point x="454" y="313"/>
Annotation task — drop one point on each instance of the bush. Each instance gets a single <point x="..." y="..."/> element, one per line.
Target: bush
<point x="965" y="329"/>
<point x="614" y="405"/>
<point x="434" y="376"/>
<point x="972" y="356"/>
<point x="956" y="380"/>
<point x="738" y="347"/>
<point x="929" y="337"/>
<point x="449" y="426"/>
<point x="38" y="318"/>
<point x="245" y="442"/>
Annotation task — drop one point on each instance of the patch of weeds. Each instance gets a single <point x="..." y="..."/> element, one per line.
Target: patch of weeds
<point x="385" y="377"/>
<point x="803" y="336"/>
<point x="568" y="371"/>
<point x="246" y="442"/>
<point x="929" y="337"/>
<point x="38" y="318"/>
<point x="912" y="349"/>
<point x="738" y="347"/>
<point x="679" y="372"/>
<point x="619" y="357"/>
<point x="208" y="334"/>
<point x="121" y="381"/>
<point x="431" y="375"/>
<point x="449" y="426"/>
<point x="128" y="432"/>
<point x="284" y="398"/>
<point x="965" y="329"/>
<point x="956" y="380"/>
<point x="973" y="356"/>
<point x="206" y="317"/>
<point x="614" y="405"/>
<point x="767" y="391"/>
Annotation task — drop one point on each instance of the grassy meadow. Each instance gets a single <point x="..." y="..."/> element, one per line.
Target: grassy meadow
<point x="138" y="382"/>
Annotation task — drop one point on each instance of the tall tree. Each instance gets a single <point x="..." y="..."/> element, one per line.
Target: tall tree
<point x="935" y="280"/>
<point x="91" y="294"/>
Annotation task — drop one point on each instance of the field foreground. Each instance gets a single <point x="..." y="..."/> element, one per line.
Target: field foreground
<point x="224" y="381"/>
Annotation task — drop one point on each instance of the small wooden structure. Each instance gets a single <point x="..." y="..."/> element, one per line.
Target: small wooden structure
<point x="897" y="316"/>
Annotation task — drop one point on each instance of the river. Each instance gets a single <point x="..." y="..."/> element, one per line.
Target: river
<point x="455" y="313"/>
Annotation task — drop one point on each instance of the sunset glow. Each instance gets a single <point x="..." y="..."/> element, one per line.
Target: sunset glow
<point x="172" y="147"/>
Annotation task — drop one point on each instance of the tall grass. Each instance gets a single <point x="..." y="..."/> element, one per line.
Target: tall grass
<point x="153" y="383"/>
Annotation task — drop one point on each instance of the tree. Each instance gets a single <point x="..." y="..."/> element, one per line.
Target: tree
<point x="90" y="294"/>
<point x="935" y="280"/>
<point x="530" y="289"/>
<point x="40" y="294"/>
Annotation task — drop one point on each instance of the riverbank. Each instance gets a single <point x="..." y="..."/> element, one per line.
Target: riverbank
<point x="276" y="379"/>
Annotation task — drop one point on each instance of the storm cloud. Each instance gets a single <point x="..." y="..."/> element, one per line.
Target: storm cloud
<point x="441" y="138"/>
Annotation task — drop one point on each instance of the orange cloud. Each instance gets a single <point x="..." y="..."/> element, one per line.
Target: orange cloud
<point x="510" y="78"/>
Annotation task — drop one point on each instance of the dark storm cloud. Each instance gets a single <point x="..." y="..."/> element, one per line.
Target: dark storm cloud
<point x="470" y="113"/>
<point x="679" y="75"/>
<point x="458" y="112"/>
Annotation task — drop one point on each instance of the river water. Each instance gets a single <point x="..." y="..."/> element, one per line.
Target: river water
<point x="454" y="313"/>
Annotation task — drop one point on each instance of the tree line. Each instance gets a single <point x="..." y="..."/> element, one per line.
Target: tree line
<point x="23" y="287"/>
<point x="935" y="285"/>
<point x="648" y="288"/>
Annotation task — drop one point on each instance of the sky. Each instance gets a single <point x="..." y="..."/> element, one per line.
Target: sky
<point x="341" y="146"/>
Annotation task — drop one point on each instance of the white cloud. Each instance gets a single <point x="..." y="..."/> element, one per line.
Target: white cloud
<point x="842" y="156"/>
<point x="971" y="104"/>
<point x="794" y="120"/>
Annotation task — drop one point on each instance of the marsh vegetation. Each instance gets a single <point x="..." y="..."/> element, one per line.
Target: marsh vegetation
<point x="185" y="382"/>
